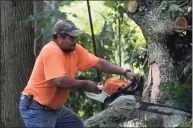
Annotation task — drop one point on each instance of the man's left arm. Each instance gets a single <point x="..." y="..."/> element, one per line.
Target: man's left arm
<point x="106" y="67"/>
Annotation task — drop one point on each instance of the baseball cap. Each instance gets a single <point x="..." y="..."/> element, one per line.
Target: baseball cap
<point x="68" y="27"/>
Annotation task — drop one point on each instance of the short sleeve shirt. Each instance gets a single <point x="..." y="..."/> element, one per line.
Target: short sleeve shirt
<point x="53" y="63"/>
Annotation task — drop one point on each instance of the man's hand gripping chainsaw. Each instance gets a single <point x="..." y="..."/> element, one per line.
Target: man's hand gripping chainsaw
<point x="117" y="93"/>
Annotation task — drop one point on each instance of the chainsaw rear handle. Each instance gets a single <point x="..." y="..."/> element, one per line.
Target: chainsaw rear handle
<point x="134" y="84"/>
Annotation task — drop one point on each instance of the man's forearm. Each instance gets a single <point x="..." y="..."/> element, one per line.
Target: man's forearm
<point x="106" y="67"/>
<point x="68" y="82"/>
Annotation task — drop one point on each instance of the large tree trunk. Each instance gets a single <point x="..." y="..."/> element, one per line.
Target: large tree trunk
<point x="16" y="58"/>
<point x="156" y="32"/>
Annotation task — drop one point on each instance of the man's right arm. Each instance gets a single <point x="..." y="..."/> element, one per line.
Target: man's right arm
<point x="67" y="82"/>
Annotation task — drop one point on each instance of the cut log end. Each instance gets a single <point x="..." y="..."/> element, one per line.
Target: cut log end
<point x="132" y="6"/>
<point x="180" y="24"/>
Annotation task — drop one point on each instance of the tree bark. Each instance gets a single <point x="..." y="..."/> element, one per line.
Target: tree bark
<point x="157" y="28"/>
<point x="109" y="118"/>
<point x="118" y="117"/>
<point x="156" y="31"/>
<point x="16" y="58"/>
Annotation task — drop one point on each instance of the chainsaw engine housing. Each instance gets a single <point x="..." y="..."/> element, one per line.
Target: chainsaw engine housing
<point x="113" y="84"/>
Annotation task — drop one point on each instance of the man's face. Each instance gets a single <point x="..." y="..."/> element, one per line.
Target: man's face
<point x="67" y="44"/>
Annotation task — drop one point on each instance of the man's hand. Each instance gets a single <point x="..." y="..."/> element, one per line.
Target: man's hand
<point x="91" y="87"/>
<point x="130" y="75"/>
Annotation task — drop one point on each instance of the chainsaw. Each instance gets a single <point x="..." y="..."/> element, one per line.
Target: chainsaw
<point x="122" y="94"/>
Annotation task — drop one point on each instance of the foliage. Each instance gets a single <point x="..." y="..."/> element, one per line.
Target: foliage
<point x="131" y="36"/>
<point x="185" y="125"/>
<point x="180" y="94"/>
<point x="45" y="17"/>
<point x="172" y="8"/>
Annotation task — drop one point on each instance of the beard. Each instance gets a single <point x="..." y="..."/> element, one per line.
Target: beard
<point x="68" y="50"/>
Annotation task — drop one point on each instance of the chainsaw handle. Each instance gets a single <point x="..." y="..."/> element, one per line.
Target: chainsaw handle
<point x="100" y="88"/>
<point x="134" y="84"/>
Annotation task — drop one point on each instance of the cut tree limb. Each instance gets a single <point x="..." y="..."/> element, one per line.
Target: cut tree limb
<point x="180" y="22"/>
<point x="114" y="117"/>
<point x="109" y="117"/>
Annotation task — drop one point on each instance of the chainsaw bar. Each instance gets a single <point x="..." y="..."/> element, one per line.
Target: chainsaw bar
<point x="161" y="109"/>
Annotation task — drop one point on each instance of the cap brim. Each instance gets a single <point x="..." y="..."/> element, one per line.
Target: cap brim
<point x="75" y="33"/>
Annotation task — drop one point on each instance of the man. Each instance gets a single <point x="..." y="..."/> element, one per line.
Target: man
<point x="53" y="76"/>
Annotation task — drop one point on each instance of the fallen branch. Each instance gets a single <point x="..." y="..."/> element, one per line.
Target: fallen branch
<point x="109" y="117"/>
<point x="115" y="117"/>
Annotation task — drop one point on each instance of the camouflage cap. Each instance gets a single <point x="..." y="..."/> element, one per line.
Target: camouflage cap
<point x="68" y="27"/>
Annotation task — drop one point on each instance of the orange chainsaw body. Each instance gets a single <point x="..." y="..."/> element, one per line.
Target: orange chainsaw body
<point x="113" y="84"/>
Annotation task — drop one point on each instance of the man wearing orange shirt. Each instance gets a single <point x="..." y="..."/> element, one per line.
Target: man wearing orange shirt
<point x="53" y="76"/>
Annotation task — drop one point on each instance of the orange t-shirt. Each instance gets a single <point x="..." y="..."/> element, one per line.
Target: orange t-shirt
<point x="52" y="63"/>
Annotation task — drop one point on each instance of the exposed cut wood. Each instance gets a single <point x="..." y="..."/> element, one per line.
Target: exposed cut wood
<point x="156" y="82"/>
<point x="132" y="5"/>
<point x="180" y="24"/>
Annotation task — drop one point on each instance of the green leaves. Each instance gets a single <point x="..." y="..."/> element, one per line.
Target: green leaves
<point x="44" y="17"/>
<point x="179" y="93"/>
<point x="171" y="9"/>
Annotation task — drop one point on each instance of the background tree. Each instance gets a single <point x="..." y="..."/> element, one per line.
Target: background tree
<point x="16" y="58"/>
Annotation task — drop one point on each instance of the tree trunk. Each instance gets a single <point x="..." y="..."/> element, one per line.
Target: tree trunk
<point x="157" y="28"/>
<point x="157" y="31"/>
<point x="16" y="58"/>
